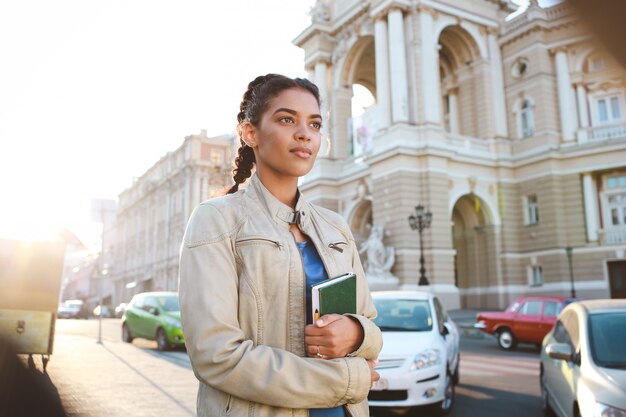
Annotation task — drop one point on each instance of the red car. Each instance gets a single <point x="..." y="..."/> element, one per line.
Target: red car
<point x="527" y="320"/>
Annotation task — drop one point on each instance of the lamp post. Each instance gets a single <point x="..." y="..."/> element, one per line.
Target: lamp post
<point x="420" y="221"/>
<point x="103" y="273"/>
<point x="569" y="250"/>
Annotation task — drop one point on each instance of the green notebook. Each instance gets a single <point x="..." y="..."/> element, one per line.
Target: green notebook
<point x="334" y="295"/>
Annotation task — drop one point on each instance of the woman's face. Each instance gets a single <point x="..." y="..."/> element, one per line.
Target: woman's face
<point x="287" y="138"/>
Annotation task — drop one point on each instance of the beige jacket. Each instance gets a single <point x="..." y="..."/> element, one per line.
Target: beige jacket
<point x="242" y="298"/>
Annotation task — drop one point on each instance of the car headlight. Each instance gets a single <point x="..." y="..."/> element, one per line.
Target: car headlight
<point x="426" y="358"/>
<point x="604" y="410"/>
<point x="172" y="321"/>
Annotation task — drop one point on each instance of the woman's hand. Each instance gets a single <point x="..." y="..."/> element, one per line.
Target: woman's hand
<point x="333" y="336"/>
<point x="373" y="374"/>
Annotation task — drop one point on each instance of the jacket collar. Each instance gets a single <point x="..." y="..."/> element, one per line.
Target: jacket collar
<point x="280" y="212"/>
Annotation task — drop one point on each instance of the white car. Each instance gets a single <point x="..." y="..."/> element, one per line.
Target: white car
<point x="419" y="363"/>
<point x="583" y="361"/>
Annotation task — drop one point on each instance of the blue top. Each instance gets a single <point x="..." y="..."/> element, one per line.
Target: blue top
<point x="315" y="272"/>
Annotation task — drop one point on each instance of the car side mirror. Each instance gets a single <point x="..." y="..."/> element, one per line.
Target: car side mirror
<point x="444" y="330"/>
<point x="561" y="351"/>
<point x="154" y="311"/>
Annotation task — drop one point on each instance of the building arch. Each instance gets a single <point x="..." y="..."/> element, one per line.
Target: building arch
<point x="464" y="72"/>
<point x="359" y="65"/>
<point x="359" y="216"/>
<point x="470" y="34"/>
<point x="485" y="203"/>
<point x="475" y="241"/>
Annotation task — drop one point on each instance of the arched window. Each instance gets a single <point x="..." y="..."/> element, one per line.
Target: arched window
<point x="527" y="119"/>
<point x="363" y="123"/>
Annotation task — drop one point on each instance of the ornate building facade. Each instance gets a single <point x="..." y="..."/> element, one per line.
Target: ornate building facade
<point x="153" y="213"/>
<point x="511" y="131"/>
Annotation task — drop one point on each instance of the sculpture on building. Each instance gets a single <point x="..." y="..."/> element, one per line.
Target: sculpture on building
<point x="320" y="12"/>
<point x="379" y="260"/>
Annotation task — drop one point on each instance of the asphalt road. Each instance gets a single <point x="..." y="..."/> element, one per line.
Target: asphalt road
<point x="493" y="383"/>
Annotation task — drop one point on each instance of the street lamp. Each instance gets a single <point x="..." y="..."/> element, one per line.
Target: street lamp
<point x="420" y="221"/>
<point x="569" y="250"/>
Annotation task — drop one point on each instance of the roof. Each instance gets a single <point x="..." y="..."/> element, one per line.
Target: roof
<point x="157" y="293"/>
<point x="594" y="306"/>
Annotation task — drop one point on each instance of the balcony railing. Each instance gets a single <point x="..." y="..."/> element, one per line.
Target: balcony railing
<point x="613" y="236"/>
<point x="467" y="143"/>
<point x="606" y="132"/>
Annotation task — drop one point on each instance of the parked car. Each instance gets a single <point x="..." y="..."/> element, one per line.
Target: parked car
<point x="119" y="310"/>
<point x="419" y="362"/>
<point x="527" y="320"/>
<point x="154" y="316"/>
<point x="72" y="309"/>
<point x="106" y="311"/>
<point x="583" y="361"/>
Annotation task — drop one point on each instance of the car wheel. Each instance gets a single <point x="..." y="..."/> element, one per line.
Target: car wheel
<point x="506" y="340"/>
<point x="545" y="397"/>
<point x="162" y="342"/>
<point x="444" y="407"/>
<point x="126" y="336"/>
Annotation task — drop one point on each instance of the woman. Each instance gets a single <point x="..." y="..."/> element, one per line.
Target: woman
<point x="244" y="263"/>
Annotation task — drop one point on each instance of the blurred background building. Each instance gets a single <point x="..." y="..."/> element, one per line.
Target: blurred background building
<point x="511" y="131"/>
<point x="153" y="213"/>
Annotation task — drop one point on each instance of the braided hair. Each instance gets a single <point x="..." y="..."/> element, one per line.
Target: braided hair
<point x="254" y="102"/>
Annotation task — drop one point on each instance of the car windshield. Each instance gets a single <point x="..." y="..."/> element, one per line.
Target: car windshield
<point x="607" y="337"/>
<point x="403" y="315"/>
<point x="169" y="303"/>
<point x="513" y="307"/>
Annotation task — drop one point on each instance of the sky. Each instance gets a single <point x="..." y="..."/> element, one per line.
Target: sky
<point x="94" y="92"/>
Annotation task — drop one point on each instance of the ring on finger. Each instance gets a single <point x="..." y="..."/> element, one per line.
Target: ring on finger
<point x="318" y="354"/>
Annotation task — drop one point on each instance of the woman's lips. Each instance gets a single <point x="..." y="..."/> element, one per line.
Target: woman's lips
<point x="304" y="153"/>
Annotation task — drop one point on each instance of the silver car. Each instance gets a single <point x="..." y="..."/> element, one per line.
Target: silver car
<point x="583" y="361"/>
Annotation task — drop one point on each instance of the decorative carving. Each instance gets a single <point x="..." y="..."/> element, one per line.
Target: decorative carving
<point x="472" y="180"/>
<point x="320" y="12"/>
<point x="379" y="258"/>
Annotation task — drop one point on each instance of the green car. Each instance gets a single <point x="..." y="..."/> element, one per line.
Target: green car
<point x="154" y="316"/>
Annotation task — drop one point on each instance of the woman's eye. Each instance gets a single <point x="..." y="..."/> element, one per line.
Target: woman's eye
<point x="286" y="120"/>
<point x="316" y="125"/>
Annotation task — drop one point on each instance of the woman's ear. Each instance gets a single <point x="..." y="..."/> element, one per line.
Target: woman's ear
<point x="249" y="134"/>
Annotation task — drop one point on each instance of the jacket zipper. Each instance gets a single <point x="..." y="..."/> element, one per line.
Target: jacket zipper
<point x="263" y="239"/>
<point x="335" y="246"/>
<point x="304" y="286"/>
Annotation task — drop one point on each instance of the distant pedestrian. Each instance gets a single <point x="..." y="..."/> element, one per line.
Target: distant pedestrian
<point x="25" y="392"/>
<point x="247" y="262"/>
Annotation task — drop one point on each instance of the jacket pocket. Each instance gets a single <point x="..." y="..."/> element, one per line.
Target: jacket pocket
<point x="229" y="404"/>
<point x="258" y="240"/>
<point x="339" y="246"/>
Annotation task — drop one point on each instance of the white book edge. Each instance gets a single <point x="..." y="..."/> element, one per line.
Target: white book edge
<point x="315" y="293"/>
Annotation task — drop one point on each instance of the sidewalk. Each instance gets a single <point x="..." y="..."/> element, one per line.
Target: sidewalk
<point x="116" y="379"/>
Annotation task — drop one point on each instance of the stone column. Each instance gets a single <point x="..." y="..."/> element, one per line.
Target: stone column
<point x="321" y="68"/>
<point x="321" y="71"/>
<point x="383" y="101"/>
<point x="497" y="85"/>
<point x="591" y="207"/>
<point x="397" y="67"/>
<point x="430" y="67"/>
<point x="453" y="103"/>
<point x="566" y="97"/>
<point x="583" y="112"/>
